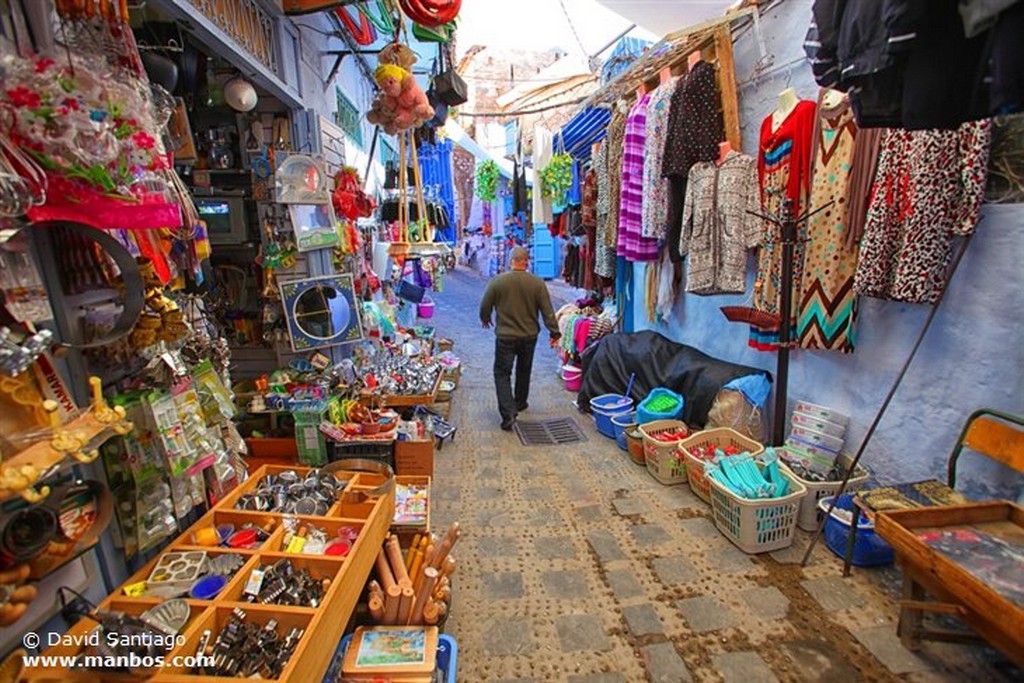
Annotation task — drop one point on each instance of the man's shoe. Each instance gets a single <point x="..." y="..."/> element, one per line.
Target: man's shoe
<point x="523" y="408"/>
<point x="506" y="425"/>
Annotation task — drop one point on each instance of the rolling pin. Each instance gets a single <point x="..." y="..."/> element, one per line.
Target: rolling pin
<point x="417" y="565"/>
<point x="394" y="554"/>
<point x="391" y="604"/>
<point x="376" y="609"/>
<point x="431" y="613"/>
<point x="446" y="545"/>
<point x="387" y="579"/>
<point x="405" y="605"/>
<point x="411" y="552"/>
<point x="429" y="581"/>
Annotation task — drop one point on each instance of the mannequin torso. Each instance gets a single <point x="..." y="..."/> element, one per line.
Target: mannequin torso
<point x="788" y="99"/>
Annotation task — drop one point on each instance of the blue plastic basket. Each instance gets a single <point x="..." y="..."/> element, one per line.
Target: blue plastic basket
<point x="869" y="549"/>
<point x="607" y="406"/>
<point x="447" y="659"/>
<point x="645" y="415"/>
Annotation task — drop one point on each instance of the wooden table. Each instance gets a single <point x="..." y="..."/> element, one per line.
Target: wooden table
<point x="955" y="574"/>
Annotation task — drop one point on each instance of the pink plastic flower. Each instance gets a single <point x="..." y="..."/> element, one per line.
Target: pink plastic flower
<point x="24" y="97"/>
<point x="143" y="140"/>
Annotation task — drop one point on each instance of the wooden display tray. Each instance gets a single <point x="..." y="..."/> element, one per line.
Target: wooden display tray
<point x="402" y="401"/>
<point x="324" y="625"/>
<point x="994" y="616"/>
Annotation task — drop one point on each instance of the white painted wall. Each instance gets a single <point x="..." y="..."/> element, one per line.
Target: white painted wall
<point x="972" y="357"/>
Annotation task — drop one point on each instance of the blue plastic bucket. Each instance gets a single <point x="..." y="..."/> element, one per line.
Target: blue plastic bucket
<point x="869" y="549"/>
<point x="607" y="406"/>
<point x="620" y="423"/>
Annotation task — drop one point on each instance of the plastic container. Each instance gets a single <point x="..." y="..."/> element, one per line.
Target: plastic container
<point x="818" y="424"/>
<point x="821" y="412"/>
<point x="573" y="377"/>
<point x="425" y="308"/>
<point x="447" y="659"/>
<point x="869" y="549"/>
<point x="208" y="587"/>
<point x="620" y="423"/>
<point x="812" y="436"/>
<point x="607" y="406"/>
<point x="816" y="490"/>
<point x="757" y="525"/>
<point x="646" y="411"/>
<point x="635" y="445"/>
<point x="660" y="456"/>
<point x="720" y="437"/>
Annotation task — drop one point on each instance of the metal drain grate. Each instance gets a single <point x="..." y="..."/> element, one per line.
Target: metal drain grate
<point x="549" y="432"/>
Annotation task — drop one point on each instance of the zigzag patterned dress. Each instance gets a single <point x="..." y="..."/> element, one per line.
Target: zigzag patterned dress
<point x="828" y="304"/>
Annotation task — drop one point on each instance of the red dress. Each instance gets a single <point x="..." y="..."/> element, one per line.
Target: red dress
<point x="784" y="170"/>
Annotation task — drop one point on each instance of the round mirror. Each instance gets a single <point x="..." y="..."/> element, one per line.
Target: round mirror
<point x="322" y="312"/>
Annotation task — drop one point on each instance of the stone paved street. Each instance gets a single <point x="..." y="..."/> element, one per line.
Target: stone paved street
<point x="577" y="566"/>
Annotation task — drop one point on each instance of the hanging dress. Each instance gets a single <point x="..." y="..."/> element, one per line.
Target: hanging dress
<point x="542" y="152"/>
<point x="929" y="186"/>
<point x="616" y="139"/>
<point x="655" y="203"/>
<point x="784" y="167"/>
<point x="632" y="245"/>
<point x="828" y="304"/>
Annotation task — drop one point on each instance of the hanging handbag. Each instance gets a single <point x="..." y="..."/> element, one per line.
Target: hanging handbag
<point x="448" y="84"/>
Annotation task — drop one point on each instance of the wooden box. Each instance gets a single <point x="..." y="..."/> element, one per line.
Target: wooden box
<point x="415" y="458"/>
<point x="323" y="625"/>
<point x="392" y="653"/>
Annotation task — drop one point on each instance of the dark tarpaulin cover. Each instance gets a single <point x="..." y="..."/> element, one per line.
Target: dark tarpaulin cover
<point x="657" y="362"/>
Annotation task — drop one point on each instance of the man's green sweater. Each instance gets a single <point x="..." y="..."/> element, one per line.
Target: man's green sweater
<point x="518" y="296"/>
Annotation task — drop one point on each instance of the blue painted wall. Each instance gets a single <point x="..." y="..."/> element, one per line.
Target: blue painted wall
<point x="973" y="355"/>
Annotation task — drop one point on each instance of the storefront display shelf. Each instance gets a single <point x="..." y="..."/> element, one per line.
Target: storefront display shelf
<point x="21" y="471"/>
<point x="323" y="625"/>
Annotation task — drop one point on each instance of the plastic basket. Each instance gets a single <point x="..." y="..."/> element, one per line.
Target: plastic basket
<point x="645" y="412"/>
<point x="659" y="456"/>
<point x="607" y="406"/>
<point x="635" y="445"/>
<point x="720" y="437"/>
<point x="447" y="659"/>
<point x="816" y="490"/>
<point x="758" y="525"/>
<point x="869" y="549"/>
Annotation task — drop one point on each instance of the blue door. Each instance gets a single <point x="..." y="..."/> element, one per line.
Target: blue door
<point x="543" y="256"/>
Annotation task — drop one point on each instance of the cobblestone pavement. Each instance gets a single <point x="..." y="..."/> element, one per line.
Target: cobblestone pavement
<point x="577" y="566"/>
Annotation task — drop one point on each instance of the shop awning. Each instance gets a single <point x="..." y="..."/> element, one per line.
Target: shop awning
<point x="588" y="126"/>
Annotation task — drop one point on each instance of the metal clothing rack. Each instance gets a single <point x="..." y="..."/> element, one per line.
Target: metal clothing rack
<point x="789" y="238"/>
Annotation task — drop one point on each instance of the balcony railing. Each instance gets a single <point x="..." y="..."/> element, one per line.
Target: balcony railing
<point x="246" y="23"/>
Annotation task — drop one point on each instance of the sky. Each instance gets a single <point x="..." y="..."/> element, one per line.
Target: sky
<point x="537" y="25"/>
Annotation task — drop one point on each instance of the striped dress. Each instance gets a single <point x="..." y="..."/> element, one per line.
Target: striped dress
<point x="631" y="243"/>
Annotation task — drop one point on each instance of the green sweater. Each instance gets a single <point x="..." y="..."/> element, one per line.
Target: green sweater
<point x="518" y="296"/>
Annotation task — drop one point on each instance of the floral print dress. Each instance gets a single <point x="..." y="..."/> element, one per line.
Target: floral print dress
<point x="929" y="186"/>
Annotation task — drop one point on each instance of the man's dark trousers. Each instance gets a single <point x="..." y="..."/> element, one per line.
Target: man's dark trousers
<point x="506" y="352"/>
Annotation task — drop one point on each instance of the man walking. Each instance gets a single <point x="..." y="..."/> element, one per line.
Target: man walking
<point x="518" y="296"/>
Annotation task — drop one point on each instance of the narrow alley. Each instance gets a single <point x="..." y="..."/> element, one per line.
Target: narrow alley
<point x="577" y="566"/>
